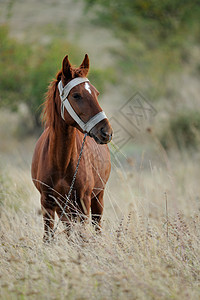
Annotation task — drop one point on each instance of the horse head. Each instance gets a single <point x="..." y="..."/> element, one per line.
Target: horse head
<point x="79" y="103"/>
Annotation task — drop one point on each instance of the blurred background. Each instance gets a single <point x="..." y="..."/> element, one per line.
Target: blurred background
<point x="148" y="47"/>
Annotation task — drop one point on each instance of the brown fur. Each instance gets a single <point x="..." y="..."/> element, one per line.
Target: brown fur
<point x="57" y="150"/>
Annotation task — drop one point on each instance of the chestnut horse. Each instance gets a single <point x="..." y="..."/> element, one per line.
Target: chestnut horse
<point x="70" y="110"/>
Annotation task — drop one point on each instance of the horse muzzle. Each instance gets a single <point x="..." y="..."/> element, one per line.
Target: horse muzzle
<point x="102" y="132"/>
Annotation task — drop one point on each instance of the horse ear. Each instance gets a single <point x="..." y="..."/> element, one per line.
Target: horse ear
<point x="66" y="68"/>
<point x="85" y="65"/>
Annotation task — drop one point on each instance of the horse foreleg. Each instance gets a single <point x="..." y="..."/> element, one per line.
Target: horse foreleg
<point x="84" y="211"/>
<point x="65" y="218"/>
<point x="97" y="205"/>
<point x="48" y="218"/>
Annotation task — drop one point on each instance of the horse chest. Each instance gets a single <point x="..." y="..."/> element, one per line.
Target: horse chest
<point x="83" y="183"/>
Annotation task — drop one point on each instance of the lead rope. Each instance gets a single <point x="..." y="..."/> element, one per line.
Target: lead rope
<point x="72" y="184"/>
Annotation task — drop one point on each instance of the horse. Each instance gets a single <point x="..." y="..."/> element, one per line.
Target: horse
<point x="70" y="110"/>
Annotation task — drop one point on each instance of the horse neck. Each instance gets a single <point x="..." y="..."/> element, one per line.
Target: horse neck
<point x="62" y="143"/>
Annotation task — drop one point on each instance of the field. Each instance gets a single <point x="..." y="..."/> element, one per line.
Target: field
<point x="149" y="247"/>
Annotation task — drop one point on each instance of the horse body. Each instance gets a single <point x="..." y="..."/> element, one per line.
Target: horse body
<point x="56" y="156"/>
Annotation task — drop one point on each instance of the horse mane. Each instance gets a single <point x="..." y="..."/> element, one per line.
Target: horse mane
<point x="49" y="105"/>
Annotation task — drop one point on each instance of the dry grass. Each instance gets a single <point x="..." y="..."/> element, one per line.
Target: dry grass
<point x="149" y="248"/>
<point x="146" y="251"/>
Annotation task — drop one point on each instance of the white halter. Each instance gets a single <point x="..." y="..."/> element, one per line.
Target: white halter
<point x="64" y="92"/>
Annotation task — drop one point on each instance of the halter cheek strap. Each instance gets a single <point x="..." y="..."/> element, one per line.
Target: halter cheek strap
<point x="64" y="92"/>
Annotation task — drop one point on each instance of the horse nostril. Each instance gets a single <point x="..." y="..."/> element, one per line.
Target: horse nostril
<point x="106" y="135"/>
<point x="103" y="133"/>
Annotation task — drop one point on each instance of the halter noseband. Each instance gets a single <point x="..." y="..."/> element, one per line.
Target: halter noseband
<point x="64" y="92"/>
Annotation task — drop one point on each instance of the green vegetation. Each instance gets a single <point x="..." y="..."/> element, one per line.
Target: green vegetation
<point x="183" y="131"/>
<point x="14" y="61"/>
<point x="152" y="21"/>
<point x="157" y="38"/>
<point x="26" y="70"/>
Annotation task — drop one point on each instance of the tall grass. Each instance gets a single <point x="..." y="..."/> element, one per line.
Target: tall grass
<point x="149" y="247"/>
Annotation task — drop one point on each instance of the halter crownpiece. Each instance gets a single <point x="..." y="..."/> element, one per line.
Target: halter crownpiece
<point x="64" y="92"/>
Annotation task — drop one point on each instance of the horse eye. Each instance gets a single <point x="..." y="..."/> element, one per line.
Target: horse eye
<point x="76" y="96"/>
